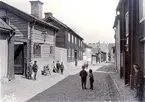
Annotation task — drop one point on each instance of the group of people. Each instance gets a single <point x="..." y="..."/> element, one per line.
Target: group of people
<point x="83" y="75"/>
<point x="32" y="68"/>
<point x="58" y="68"/>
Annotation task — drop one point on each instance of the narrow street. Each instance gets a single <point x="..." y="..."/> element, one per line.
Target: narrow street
<point x="69" y="89"/>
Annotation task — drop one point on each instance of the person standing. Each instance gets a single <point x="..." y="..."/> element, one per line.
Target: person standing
<point x="48" y="69"/>
<point x="91" y="79"/>
<point x="83" y="75"/>
<point x="58" y="66"/>
<point x="138" y="82"/>
<point x="29" y="71"/>
<point x="61" y="67"/>
<point x="35" y="69"/>
<point x="76" y="63"/>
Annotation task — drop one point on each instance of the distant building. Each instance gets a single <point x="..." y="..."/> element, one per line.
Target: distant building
<point x="87" y="53"/>
<point x="100" y="50"/>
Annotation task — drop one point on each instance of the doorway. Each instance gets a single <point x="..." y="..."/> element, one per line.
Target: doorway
<point x="75" y="56"/>
<point x="19" y="60"/>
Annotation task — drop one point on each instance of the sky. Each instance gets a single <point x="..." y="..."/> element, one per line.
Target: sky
<point x="91" y="19"/>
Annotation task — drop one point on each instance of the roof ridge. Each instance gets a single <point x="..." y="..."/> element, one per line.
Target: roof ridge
<point x="3" y="4"/>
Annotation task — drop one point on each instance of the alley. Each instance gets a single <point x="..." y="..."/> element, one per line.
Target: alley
<point x="69" y="89"/>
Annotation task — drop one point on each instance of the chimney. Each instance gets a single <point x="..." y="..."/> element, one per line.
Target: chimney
<point x="48" y="14"/>
<point x="36" y="8"/>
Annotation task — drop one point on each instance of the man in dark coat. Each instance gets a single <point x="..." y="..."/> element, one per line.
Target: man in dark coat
<point x="61" y="67"/>
<point x="138" y="82"/>
<point x="83" y="75"/>
<point x="35" y="69"/>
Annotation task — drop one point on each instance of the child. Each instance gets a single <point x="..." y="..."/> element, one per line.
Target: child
<point x="83" y="75"/>
<point x="35" y="69"/>
<point x="91" y="79"/>
<point x="29" y="71"/>
<point x="61" y="67"/>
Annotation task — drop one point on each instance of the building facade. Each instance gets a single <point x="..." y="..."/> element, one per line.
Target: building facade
<point x="87" y="54"/>
<point x="117" y="43"/>
<point x="68" y="39"/>
<point x="100" y="50"/>
<point x="131" y="21"/>
<point x="34" y="38"/>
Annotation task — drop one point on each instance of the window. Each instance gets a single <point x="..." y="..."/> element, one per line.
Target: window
<point x="127" y="23"/>
<point x="69" y="37"/>
<point x="81" y="43"/>
<point x="75" y="40"/>
<point x="72" y="39"/>
<point x="51" y="49"/>
<point x="142" y="10"/>
<point x="36" y="50"/>
<point x="69" y="52"/>
<point x="72" y="53"/>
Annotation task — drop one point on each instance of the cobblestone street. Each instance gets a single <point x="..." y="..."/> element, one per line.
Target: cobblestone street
<point x="69" y="89"/>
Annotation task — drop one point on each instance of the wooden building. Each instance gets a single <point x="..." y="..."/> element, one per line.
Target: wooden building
<point x="67" y="38"/>
<point x="131" y="21"/>
<point x="34" y="38"/>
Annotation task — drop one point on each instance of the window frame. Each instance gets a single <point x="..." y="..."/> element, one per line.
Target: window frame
<point x="37" y="50"/>
<point x="72" y="39"/>
<point x="141" y="10"/>
<point x="68" y="37"/>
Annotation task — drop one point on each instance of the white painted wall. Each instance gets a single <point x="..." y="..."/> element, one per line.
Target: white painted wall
<point x="3" y="58"/>
<point x="61" y="55"/>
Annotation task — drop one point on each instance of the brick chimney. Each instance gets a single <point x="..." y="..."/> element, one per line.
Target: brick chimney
<point x="48" y="14"/>
<point x="36" y="8"/>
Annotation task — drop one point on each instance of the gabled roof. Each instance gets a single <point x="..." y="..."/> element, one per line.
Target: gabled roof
<point x="103" y="52"/>
<point x="75" y="33"/>
<point x="56" y="20"/>
<point x="4" y="26"/>
<point x="62" y="24"/>
<point x="25" y="15"/>
<point x="86" y="46"/>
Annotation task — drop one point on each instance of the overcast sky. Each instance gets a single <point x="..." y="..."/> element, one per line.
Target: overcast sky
<point x="91" y="19"/>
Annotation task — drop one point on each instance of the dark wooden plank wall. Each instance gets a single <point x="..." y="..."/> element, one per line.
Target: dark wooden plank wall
<point x="20" y="25"/>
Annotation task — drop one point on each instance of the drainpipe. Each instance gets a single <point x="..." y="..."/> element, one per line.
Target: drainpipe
<point x="13" y="34"/>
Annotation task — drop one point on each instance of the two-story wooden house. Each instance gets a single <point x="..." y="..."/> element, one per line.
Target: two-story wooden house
<point x="34" y="38"/>
<point x="67" y="38"/>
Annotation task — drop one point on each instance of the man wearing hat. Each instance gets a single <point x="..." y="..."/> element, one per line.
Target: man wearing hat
<point x="138" y="82"/>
